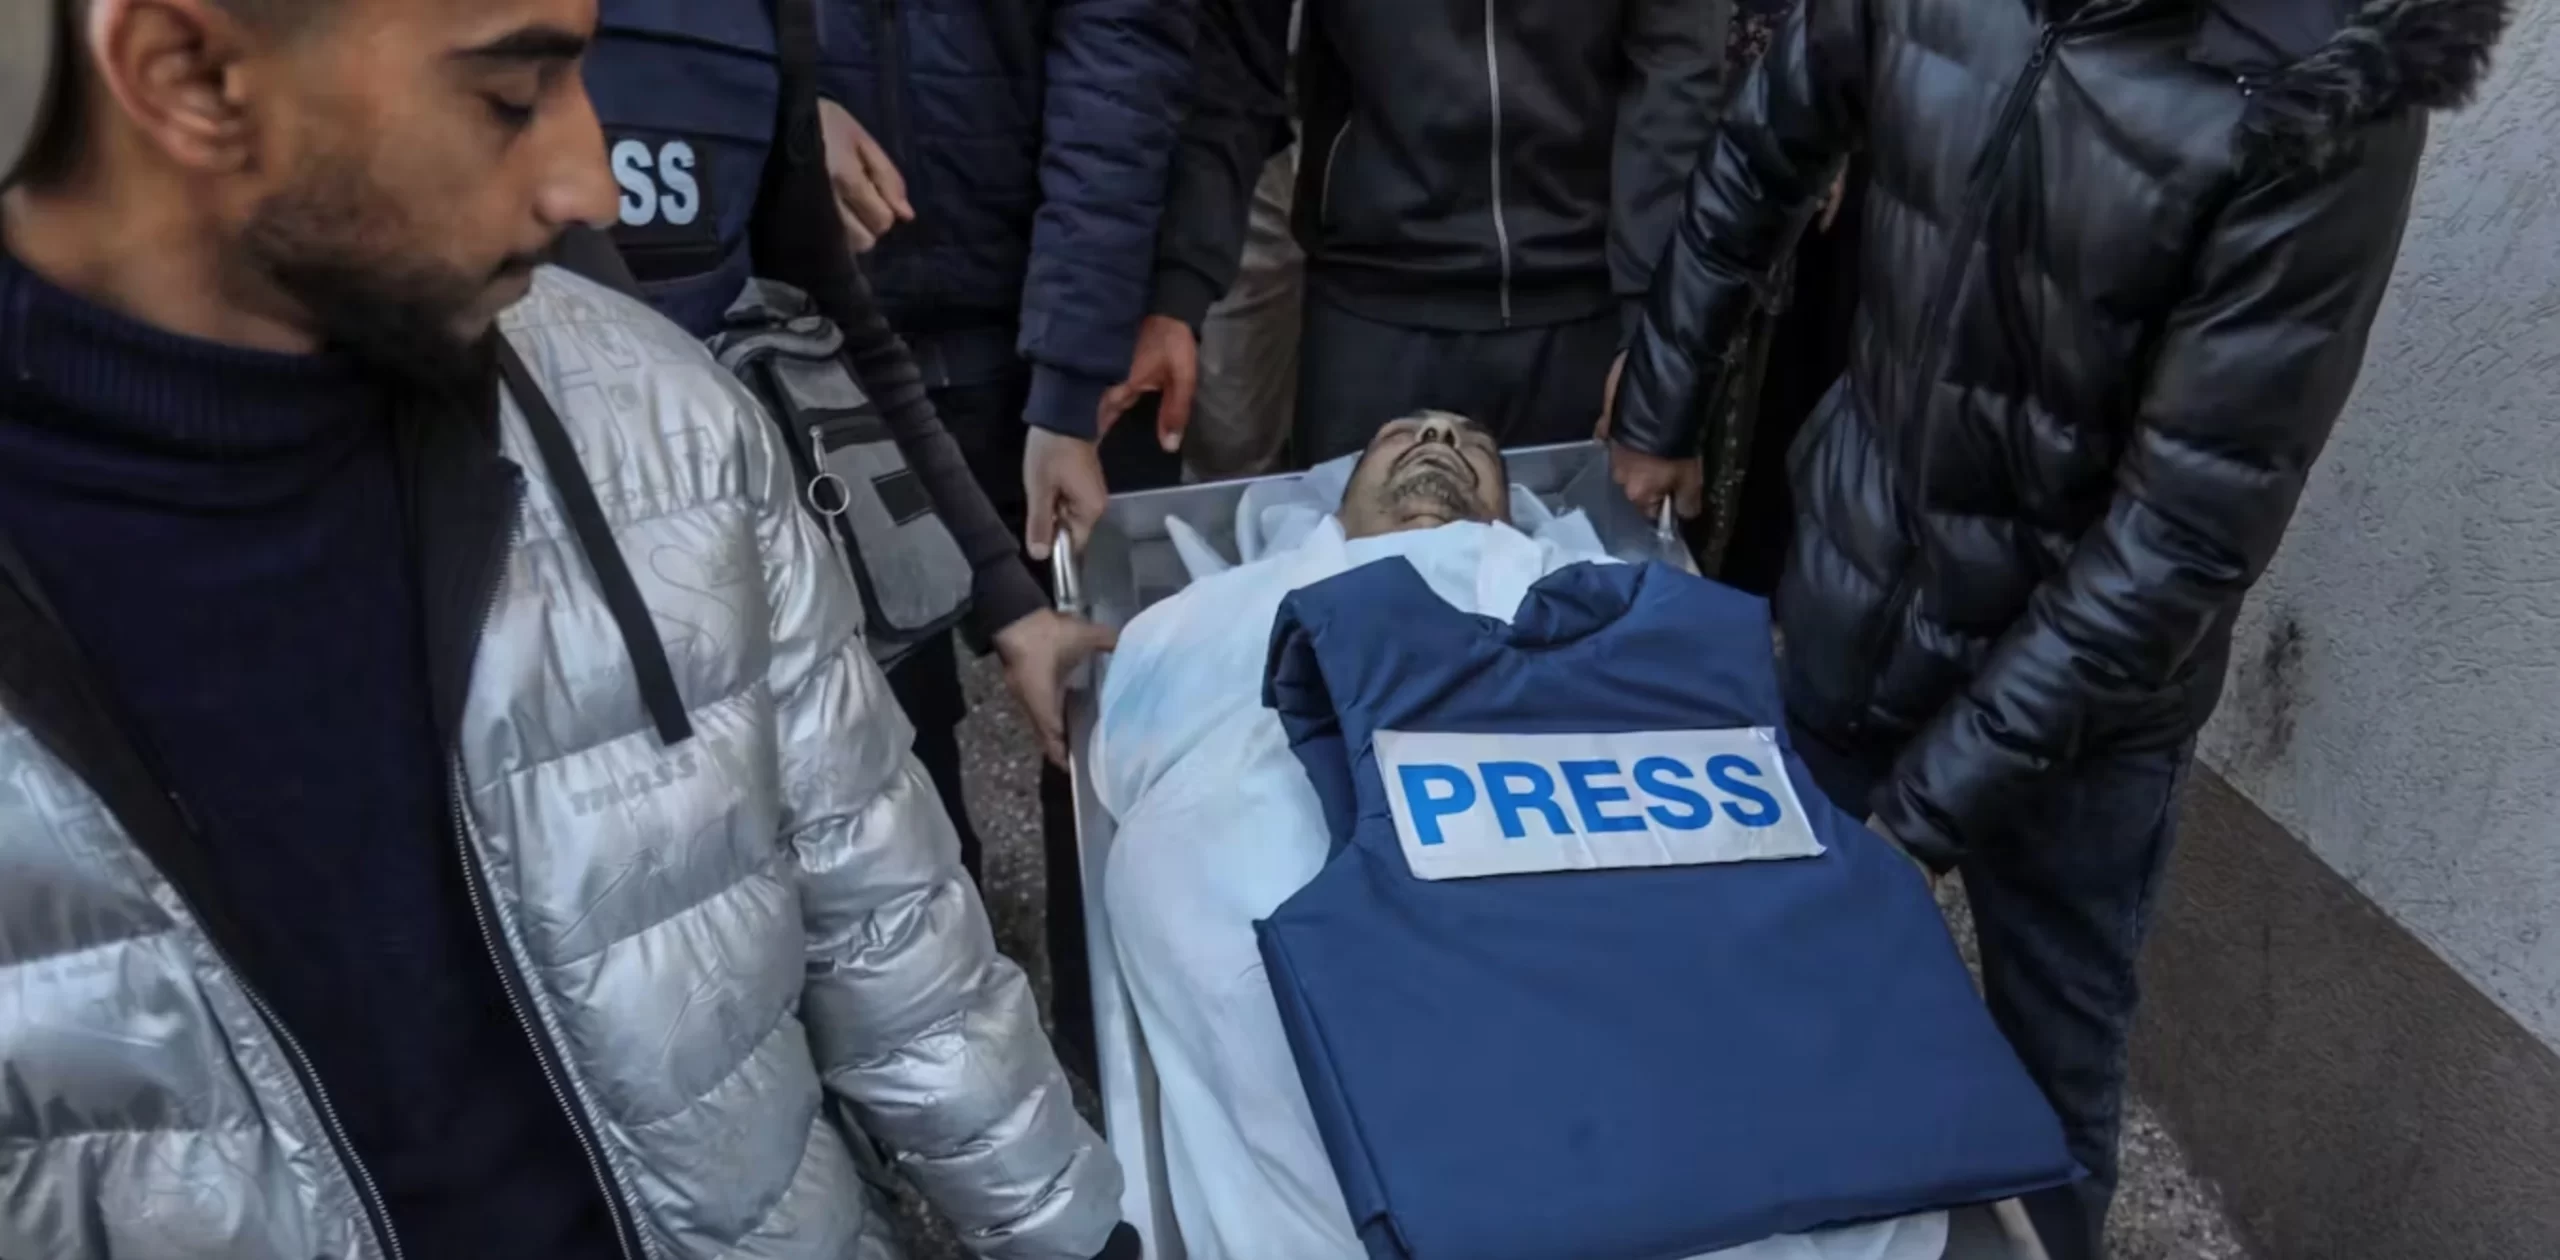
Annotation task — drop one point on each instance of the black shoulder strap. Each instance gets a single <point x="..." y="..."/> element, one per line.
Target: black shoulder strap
<point x="798" y="237"/>
<point x="795" y="46"/>
<point x="590" y="252"/>
<point x="657" y="678"/>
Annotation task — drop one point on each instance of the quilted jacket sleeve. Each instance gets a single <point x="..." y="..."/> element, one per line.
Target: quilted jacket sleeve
<point x="1118" y="72"/>
<point x="2252" y="370"/>
<point x="919" y="1027"/>
<point x="1753" y="189"/>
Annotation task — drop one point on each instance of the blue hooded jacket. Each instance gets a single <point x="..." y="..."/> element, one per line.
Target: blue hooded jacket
<point x="1035" y="137"/>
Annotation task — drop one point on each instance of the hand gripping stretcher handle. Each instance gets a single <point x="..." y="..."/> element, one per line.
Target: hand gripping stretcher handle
<point x="1066" y="593"/>
<point x="1066" y="585"/>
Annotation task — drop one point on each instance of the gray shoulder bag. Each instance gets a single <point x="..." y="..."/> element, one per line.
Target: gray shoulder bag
<point x="914" y="578"/>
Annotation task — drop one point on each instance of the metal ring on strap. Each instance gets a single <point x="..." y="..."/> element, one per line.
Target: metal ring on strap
<point x="836" y="502"/>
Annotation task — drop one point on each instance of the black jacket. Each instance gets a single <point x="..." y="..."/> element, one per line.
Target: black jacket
<point x="1237" y="120"/>
<point x="1471" y="164"/>
<point x="2122" y="260"/>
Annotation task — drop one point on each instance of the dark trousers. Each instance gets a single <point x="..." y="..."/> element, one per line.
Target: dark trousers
<point x="2062" y="896"/>
<point x="1531" y="386"/>
<point x="986" y="420"/>
<point x="927" y="684"/>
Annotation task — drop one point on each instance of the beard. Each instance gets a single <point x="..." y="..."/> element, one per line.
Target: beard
<point x="322" y="243"/>
<point x="1427" y="482"/>
<point x="1429" y="489"/>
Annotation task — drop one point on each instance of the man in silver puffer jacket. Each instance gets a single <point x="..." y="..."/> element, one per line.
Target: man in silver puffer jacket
<point x="721" y="903"/>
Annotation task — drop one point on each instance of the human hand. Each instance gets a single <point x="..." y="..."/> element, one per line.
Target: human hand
<point x="1040" y="652"/>
<point x="1167" y="361"/>
<point x="871" y="196"/>
<point x="1649" y="479"/>
<point x="1831" y="201"/>
<point x="1062" y="488"/>
<point x="1609" y="398"/>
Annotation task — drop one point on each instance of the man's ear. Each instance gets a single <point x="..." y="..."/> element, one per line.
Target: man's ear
<point x="174" y="68"/>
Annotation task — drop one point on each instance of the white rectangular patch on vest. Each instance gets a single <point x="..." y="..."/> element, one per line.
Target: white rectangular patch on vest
<point x="1468" y="806"/>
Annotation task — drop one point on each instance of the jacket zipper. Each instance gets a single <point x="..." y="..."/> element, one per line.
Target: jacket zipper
<point x="473" y="879"/>
<point x="377" y="1211"/>
<point x="1943" y="297"/>
<point x="1493" y="95"/>
<point x="834" y="507"/>
<point x="815" y="469"/>
<point x="1324" y="201"/>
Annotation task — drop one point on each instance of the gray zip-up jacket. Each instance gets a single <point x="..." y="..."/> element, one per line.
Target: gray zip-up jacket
<point x="742" y="948"/>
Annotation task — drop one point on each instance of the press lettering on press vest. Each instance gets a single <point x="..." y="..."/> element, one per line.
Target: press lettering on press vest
<point x="1469" y="805"/>
<point x="658" y="184"/>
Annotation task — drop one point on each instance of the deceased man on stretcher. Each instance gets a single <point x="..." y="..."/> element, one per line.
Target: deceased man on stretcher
<point x="1472" y="907"/>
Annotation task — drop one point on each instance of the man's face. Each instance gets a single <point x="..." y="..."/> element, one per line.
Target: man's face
<point x="1425" y="470"/>
<point x="406" y="166"/>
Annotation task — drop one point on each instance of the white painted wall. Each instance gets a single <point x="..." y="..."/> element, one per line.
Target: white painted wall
<point x="2395" y="692"/>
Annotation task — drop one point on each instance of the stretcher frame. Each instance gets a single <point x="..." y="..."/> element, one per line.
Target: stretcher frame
<point x="1129" y="563"/>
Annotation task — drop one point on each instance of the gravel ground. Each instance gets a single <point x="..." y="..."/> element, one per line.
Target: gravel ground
<point x="2164" y="1212"/>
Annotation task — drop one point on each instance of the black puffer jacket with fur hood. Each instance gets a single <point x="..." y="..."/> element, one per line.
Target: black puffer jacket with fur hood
<point x="2121" y="259"/>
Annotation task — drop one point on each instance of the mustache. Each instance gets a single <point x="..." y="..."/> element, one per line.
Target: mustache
<point x="1422" y="450"/>
<point x="1432" y="492"/>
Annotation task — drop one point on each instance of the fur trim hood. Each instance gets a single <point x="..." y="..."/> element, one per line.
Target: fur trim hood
<point x="2312" y="89"/>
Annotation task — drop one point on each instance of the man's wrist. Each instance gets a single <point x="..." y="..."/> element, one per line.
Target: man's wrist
<point x="1064" y="402"/>
<point x="1002" y="595"/>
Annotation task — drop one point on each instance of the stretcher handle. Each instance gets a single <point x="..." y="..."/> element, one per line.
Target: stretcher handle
<point x="1066" y="592"/>
<point x="2020" y="1231"/>
<point x="1667" y="540"/>
<point x="1066" y="585"/>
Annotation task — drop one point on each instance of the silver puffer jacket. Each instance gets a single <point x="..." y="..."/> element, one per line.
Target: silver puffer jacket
<point x="746" y="950"/>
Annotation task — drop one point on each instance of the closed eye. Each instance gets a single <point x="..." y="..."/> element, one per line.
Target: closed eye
<point x="510" y="115"/>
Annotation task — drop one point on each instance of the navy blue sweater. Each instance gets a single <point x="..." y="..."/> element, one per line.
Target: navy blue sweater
<point x="223" y="532"/>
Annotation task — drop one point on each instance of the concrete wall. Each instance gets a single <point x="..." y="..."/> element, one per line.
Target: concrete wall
<point x="2354" y="1020"/>
<point x="2395" y="700"/>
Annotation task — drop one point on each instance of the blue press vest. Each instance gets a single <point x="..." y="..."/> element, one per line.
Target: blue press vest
<point x="689" y="93"/>
<point x="1620" y="1064"/>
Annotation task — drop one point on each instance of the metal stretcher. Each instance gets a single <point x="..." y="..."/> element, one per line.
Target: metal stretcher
<point x="1128" y="564"/>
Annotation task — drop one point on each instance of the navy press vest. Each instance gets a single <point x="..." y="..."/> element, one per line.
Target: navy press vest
<point x="1618" y="1063"/>
<point x="690" y="94"/>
